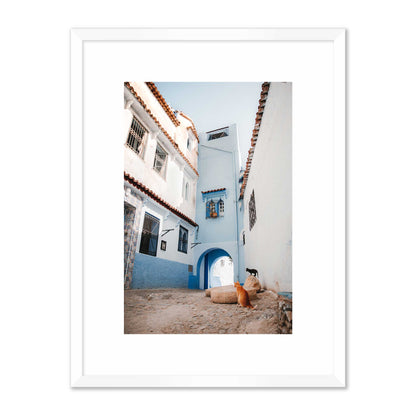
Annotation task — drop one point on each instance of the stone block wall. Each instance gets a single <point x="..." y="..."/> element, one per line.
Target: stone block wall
<point x="284" y="314"/>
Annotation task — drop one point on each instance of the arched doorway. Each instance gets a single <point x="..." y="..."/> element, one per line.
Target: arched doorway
<point x="222" y="272"/>
<point x="213" y="260"/>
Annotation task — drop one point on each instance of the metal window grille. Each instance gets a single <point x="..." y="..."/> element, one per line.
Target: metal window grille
<point x="159" y="163"/>
<point x="221" y="207"/>
<point x="218" y="135"/>
<point x="150" y="235"/>
<point x="252" y="211"/>
<point x="136" y="136"/>
<point x="183" y="240"/>
<point x="212" y="209"/>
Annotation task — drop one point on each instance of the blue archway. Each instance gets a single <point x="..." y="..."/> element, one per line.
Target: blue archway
<point x="209" y="257"/>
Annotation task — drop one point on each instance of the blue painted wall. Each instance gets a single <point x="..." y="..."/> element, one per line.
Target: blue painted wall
<point x="219" y="166"/>
<point x="193" y="282"/>
<point x="154" y="272"/>
<point x="209" y="257"/>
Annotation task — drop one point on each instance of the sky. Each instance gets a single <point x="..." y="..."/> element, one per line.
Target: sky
<point x="213" y="105"/>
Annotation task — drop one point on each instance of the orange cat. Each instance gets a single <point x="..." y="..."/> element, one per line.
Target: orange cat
<point x="242" y="296"/>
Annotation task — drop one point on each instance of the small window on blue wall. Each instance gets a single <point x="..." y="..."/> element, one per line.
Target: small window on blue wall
<point x="221" y="207"/>
<point x="183" y="240"/>
<point x="211" y="209"/>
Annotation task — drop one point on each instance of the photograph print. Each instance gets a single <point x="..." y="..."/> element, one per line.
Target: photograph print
<point x="207" y="207"/>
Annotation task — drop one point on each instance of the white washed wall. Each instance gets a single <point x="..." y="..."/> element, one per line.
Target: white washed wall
<point x="169" y="187"/>
<point x="168" y="221"/>
<point x="269" y="243"/>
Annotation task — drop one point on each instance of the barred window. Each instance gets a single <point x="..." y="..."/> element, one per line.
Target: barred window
<point x="221" y="207"/>
<point x="252" y="211"/>
<point x="150" y="235"/>
<point x="183" y="240"/>
<point x="217" y="134"/>
<point x="211" y="209"/>
<point x="161" y="157"/>
<point x="136" y="138"/>
<point x="214" y="209"/>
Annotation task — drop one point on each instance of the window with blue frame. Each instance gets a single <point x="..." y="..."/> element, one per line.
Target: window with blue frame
<point x="214" y="209"/>
<point x="214" y="202"/>
<point x="183" y="240"/>
<point x="211" y="209"/>
<point x="150" y="235"/>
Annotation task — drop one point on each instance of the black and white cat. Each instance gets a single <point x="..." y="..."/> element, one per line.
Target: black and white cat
<point x="254" y="272"/>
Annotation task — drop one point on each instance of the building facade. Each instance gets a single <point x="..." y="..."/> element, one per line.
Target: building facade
<point x="267" y="190"/>
<point x="218" y="210"/>
<point x="189" y="207"/>
<point x="160" y="183"/>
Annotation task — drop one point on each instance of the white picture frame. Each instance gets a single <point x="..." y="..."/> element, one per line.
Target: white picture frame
<point x="332" y="374"/>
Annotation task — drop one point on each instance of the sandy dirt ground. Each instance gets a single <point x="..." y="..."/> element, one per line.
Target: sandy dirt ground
<point x="184" y="311"/>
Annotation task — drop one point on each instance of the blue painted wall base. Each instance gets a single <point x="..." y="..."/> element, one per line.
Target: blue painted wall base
<point x="193" y="282"/>
<point x="152" y="272"/>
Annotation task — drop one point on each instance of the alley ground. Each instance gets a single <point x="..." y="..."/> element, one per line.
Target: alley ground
<point x="183" y="311"/>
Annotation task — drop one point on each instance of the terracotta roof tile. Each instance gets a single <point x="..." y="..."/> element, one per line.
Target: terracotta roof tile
<point x="262" y="103"/>
<point x="191" y="127"/>
<point x="213" y="190"/>
<point x="157" y="198"/>
<point x="194" y="132"/>
<point x="163" y="103"/>
<point x="142" y="103"/>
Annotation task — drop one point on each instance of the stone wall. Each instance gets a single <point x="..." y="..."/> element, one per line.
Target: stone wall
<point x="284" y="314"/>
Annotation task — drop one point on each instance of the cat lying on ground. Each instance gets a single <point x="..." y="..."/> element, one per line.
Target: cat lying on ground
<point x="242" y="297"/>
<point x="254" y="272"/>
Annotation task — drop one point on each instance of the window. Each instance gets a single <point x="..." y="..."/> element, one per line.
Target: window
<point x="189" y="144"/>
<point x="214" y="209"/>
<point x="221" y="207"/>
<point x="160" y="161"/>
<point x="187" y="191"/>
<point x="136" y="136"/>
<point x="216" y="134"/>
<point x="150" y="235"/>
<point x="211" y="209"/>
<point x="183" y="240"/>
<point x="252" y="216"/>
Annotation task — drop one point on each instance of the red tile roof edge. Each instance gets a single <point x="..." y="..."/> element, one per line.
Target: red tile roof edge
<point x="257" y="123"/>
<point x="130" y="179"/>
<point x="193" y="131"/>
<point x="193" y="125"/>
<point x="142" y="103"/>
<point x="213" y="190"/>
<point x="163" y="103"/>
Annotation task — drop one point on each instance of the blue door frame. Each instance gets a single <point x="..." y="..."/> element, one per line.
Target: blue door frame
<point x="209" y="257"/>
